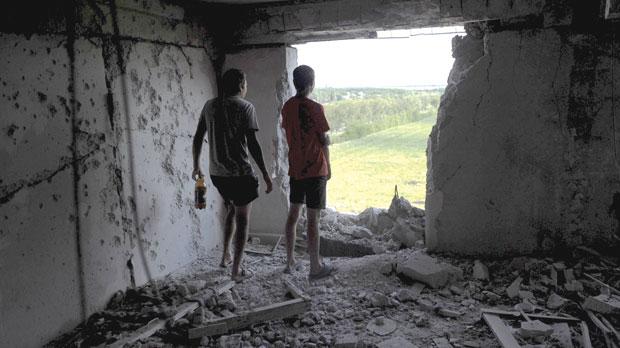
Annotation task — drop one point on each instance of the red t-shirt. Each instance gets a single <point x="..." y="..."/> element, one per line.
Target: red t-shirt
<point x="303" y="121"/>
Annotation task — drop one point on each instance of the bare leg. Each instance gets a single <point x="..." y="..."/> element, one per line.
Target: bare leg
<point x="228" y="232"/>
<point x="242" y="217"/>
<point x="313" y="239"/>
<point x="290" y="232"/>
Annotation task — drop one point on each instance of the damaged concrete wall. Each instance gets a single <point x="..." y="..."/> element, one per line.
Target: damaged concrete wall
<point x="99" y="105"/>
<point x="270" y="84"/>
<point x="524" y="154"/>
<point x="284" y="22"/>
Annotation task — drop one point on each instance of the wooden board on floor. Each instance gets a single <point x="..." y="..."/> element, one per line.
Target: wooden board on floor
<point x="501" y="331"/>
<point x="153" y="326"/>
<point x="274" y="311"/>
<point x="500" y="312"/>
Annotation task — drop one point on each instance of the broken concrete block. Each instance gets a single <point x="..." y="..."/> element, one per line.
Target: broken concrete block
<point x="406" y="234"/>
<point x="535" y="328"/>
<point x="448" y="313"/>
<point x="406" y="295"/>
<point x="426" y="305"/>
<point x="513" y="290"/>
<point x="378" y="299"/>
<point x="574" y="285"/>
<point x="428" y="270"/>
<point x="606" y="304"/>
<point x="442" y="342"/>
<point x="369" y="217"/>
<point x="526" y="295"/>
<point x="196" y="285"/>
<point x="481" y="272"/>
<point x="230" y="341"/>
<point x="555" y="301"/>
<point x="396" y="342"/>
<point x="526" y="307"/>
<point x="346" y="341"/>
<point x="562" y="334"/>
<point x="387" y="269"/>
<point x="420" y="319"/>
<point x="359" y="232"/>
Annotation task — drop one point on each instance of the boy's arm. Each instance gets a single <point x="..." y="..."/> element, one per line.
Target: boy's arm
<point x="324" y="139"/>
<point x="257" y="154"/>
<point x="201" y="129"/>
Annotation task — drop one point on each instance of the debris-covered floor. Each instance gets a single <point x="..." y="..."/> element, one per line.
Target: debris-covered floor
<point x="393" y="298"/>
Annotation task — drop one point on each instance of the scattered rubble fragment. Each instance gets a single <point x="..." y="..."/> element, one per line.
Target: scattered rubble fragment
<point x="401" y="297"/>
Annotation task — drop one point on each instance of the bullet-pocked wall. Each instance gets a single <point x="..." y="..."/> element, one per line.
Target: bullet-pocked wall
<point x="524" y="156"/>
<point x="99" y="102"/>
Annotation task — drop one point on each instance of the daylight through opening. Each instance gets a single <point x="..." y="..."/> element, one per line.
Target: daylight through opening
<point x="381" y="98"/>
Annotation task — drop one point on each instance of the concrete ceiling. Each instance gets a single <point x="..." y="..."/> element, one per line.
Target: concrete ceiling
<point x="240" y="2"/>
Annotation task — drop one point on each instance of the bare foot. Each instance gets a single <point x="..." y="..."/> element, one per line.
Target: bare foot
<point x="226" y="260"/>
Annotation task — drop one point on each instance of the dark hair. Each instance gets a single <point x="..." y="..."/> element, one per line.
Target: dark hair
<point x="232" y="80"/>
<point x="303" y="78"/>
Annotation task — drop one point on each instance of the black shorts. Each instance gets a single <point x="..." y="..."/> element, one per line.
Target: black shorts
<point x="240" y="190"/>
<point x="310" y="191"/>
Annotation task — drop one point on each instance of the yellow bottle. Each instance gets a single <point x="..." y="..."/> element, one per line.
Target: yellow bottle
<point x="199" y="194"/>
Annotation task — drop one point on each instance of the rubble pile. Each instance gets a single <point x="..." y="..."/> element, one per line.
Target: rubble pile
<point x="373" y="231"/>
<point x="397" y="296"/>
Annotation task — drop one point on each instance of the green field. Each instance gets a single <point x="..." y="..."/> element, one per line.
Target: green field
<point x="365" y="170"/>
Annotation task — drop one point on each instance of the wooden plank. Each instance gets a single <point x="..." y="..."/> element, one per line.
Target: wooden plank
<point x="612" y="289"/>
<point x="277" y="244"/>
<point x="610" y="327"/>
<point x="586" y="342"/>
<point x="259" y="315"/>
<point x="501" y="331"/>
<point x="532" y="316"/>
<point x="606" y="332"/>
<point x="154" y="325"/>
<point x="295" y="291"/>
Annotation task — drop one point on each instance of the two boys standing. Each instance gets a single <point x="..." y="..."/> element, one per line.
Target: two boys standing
<point x="231" y="125"/>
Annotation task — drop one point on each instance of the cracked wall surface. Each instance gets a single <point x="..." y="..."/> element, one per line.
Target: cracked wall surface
<point x="524" y="154"/>
<point x="99" y="105"/>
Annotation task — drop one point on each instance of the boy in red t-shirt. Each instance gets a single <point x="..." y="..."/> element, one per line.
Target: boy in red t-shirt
<point x="306" y="129"/>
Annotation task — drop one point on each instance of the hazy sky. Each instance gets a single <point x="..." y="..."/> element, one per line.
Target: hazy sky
<point x="385" y="62"/>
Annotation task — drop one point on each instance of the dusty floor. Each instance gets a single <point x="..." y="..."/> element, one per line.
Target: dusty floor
<point x="364" y="304"/>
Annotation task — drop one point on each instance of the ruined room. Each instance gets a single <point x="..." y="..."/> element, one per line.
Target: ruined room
<point x="101" y="244"/>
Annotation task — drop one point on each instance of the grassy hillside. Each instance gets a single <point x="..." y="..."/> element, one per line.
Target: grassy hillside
<point x="365" y="170"/>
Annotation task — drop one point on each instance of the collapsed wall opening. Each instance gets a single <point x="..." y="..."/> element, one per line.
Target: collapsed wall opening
<point x="380" y="98"/>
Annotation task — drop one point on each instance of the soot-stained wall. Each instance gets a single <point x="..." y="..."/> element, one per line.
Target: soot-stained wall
<point x="524" y="156"/>
<point x="99" y="103"/>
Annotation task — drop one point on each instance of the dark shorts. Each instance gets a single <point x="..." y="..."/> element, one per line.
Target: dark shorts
<point x="310" y="191"/>
<point x="240" y="190"/>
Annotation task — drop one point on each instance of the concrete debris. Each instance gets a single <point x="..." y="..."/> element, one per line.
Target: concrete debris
<point x="562" y="334"/>
<point x="406" y="234"/>
<point x="606" y="304"/>
<point x="396" y="342"/>
<point x="481" y="272"/>
<point x="370" y="297"/>
<point x="428" y="270"/>
<point x="556" y="301"/>
<point x="513" y="290"/>
<point x="361" y="232"/>
<point x="535" y="328"/>
<point x="347" y="341"/>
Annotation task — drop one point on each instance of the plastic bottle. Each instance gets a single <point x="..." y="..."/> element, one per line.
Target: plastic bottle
<point x="199" y="194"/>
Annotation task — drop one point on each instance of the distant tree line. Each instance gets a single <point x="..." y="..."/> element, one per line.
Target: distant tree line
<point x="357" y="112"/>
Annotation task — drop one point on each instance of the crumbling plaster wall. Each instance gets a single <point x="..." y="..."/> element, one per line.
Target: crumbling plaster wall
<point x="269" y="75"/>
<point x="99" y="105"/>
<point x="524" y="154"/>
